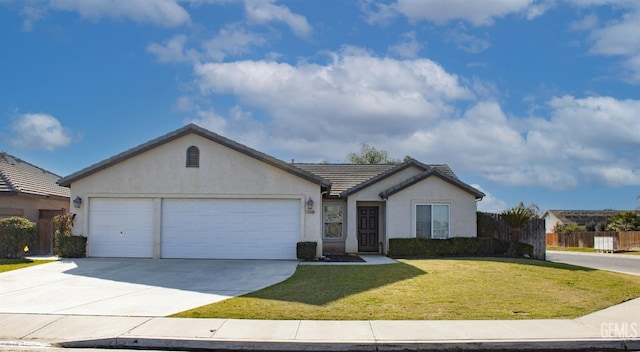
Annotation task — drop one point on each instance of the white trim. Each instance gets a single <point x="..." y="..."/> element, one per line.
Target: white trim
<point x="414" y="216"/>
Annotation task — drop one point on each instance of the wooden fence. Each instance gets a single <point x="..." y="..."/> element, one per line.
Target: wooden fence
<point x="492" y="225"/>
<point x="629" y="240"/>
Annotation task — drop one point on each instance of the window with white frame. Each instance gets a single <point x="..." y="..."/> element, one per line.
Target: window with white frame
<point x="432" y="220"/>
<point x="333" y="221"/>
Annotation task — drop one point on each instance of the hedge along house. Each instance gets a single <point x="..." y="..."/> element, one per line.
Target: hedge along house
<point x="31" y="192"/>
<point x="195" y="194"/>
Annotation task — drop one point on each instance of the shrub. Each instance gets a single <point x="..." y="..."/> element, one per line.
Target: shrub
<point x="520" y="249"/>
<point x="70" y="246"/>
<point x="566" y="229"/>
<point x="16" y="235"/>
<point x="306" y="250"/>
<point x="64" y="244"/>
<point x="456" y="246"/>
<point x="62" y="224"/>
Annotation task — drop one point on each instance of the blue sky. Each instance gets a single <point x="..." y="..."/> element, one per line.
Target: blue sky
<point x="530" y="100"/>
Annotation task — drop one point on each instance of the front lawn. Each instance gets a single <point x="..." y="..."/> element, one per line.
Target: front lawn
<point x="13" y="264"/>
<point x="467" y="288"/>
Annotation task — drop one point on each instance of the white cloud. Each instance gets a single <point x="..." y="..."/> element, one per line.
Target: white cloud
<point x="232" y="40"/>
<point x="409" y="47"/>
<point x="588" y="22"/>
<point x="210" y="120"/>
<point x="614" y="175"/>
<point x="413" y="107"/>
<point x="489" y="204"/>
<point x="539" y="8"/>
<point x="477" y="12"/>
<point x="467" y="42"/>
<point x="166" y="13"/>
<point x="39" y="131"/>
<point x="265" y="11"/>
<point x="32" y="14"/>
<point x="378" y="13"/>
<point x="172" y="51"/>
<point x="355" y="93"/>
<point x="617" y="37"/>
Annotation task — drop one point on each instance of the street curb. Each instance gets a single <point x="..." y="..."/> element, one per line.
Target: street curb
<point x="271" y="346"/>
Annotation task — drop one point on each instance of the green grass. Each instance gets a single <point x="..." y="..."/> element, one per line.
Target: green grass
<point x="467" y="288"/>
<point x="14" y="264"/>
<point x="572" y="249"/>
<point x="631" y="253"/>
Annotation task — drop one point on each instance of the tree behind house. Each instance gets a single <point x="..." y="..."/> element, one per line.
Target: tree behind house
<point x="373" y="156"/>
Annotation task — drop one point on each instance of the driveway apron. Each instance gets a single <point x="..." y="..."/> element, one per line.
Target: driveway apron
<point x="134" y="287"/>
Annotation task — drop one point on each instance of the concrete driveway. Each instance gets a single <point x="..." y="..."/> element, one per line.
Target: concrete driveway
<point x="133" y="287"/>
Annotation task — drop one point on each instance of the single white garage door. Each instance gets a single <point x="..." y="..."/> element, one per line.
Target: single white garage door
<point x="120" y="227"/>
<point x="230" y="228"/>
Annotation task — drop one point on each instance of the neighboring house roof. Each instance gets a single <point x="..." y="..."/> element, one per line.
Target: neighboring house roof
<point x="581" y="217"/>
<point x="22" y="178"/>
<point x="351" y="178"/>
<point x="192" y="128"/>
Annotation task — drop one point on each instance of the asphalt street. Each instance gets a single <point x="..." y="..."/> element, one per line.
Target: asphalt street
<point x="622" y="263"/>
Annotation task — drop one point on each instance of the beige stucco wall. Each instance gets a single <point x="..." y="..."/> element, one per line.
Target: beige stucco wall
<point x="550" y="221"/>
<point x="32" y="205"/>
<point x="223" y="173"/>
<point x="400" y="214"/>
<point x="371" y="194"/>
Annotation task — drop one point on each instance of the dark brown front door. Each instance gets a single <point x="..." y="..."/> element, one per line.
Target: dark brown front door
<point x="44" y="242"/>
<point x="367" y="229"/>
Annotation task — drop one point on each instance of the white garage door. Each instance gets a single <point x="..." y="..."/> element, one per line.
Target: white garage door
<point x="230" y="228"/>
<point x="120" y="227"/>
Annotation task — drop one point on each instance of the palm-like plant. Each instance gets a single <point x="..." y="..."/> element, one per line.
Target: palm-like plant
<point x="625" y="221"/>
<point x="517" y="217"/>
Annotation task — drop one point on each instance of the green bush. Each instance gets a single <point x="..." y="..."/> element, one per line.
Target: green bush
<point x="70" y="246"/>
<point x="64" y="244"/>
<point x="520" y="249"/>
<point x="16" y="235"/>
<point x="456" y="246"/>
<point x="306" y="250"/>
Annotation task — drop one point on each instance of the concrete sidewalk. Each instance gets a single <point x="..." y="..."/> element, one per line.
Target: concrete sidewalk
<point x="615" y="328"/>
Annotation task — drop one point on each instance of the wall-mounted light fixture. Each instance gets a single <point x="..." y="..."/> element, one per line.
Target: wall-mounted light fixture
<point x="309" y="205"/>
<point x="77" y="202"/>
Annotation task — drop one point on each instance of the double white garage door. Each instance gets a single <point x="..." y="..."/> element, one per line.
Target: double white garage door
<point x="195" y="228"/>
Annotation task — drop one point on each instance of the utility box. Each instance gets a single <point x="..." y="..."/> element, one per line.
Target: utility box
<point x="605" y="244"/>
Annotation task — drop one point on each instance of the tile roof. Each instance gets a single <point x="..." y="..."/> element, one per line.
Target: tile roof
<point x="345" y="176"/>
<point x="582" y="217"/>
<point x="347" y="179"/>
<point x="19" y="177"/>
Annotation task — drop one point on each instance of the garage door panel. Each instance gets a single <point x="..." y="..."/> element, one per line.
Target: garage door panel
<point x="120" y="227"/>
<point x="230" y="228"/>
